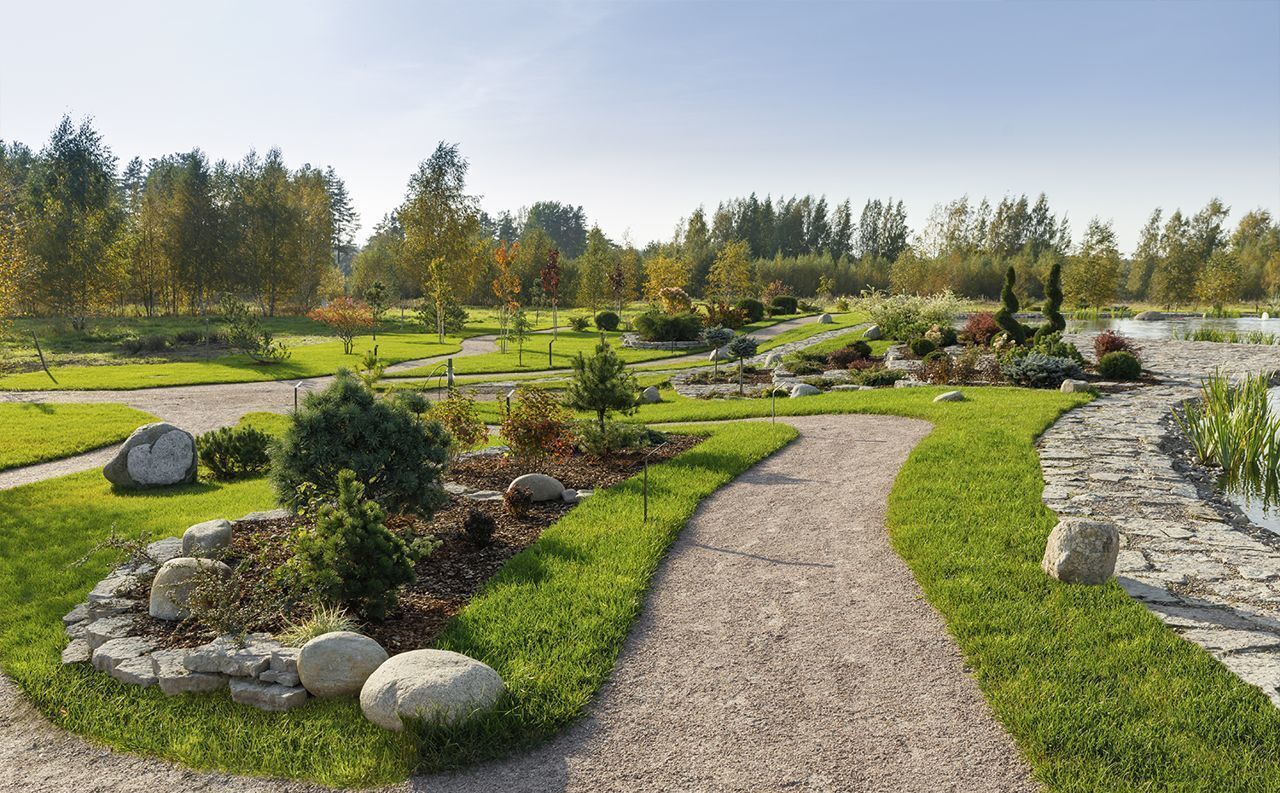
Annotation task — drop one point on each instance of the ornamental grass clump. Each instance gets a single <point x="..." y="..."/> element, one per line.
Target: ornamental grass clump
<point x="905" y="317"/>
<point x="1234" y="428"/>
<point x="349" y="558"/>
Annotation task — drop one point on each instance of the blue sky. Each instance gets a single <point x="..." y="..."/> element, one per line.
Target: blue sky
<point x="641" y="111"/>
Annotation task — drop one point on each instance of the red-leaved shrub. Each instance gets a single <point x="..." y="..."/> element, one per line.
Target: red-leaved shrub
<point x="981" y="328"/>
<point x="1110" y="341"/>
<point x="537" y="426"/>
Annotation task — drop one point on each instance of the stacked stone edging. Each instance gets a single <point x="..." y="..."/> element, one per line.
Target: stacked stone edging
<point x="1191" y="559"/>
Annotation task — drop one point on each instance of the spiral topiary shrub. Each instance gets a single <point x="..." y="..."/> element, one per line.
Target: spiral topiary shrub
<point x="397" y="455"/>
<point x="1120" y="365"/>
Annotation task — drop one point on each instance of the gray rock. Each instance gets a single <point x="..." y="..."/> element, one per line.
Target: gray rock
<point x="825" y="319"/>
<point x="138" y="671"/>
<point x="428" y="684"/>
<point x="541" y="486"/>
<point x="78" y="614"/>
<point x="99" y="632"/>
<point x="804" y="389"/>
<point x="1082" y="551"/>
<point x="77" y="651"/>
<point x="174" y="678"/>
<point x="155" y="455"/>
<point x="1070" y="386"/>
<point x="267" y="514"/>
<point x="271" y="697"/>
<point x="772" y="360"/>
<point x="207" y="539"/>
<point x="1149" y="316"/>
<point x="112" y="607"/>
<point x="873" y="333"/>
<point x="166" y="549"/>
<point x="76" y="630"/>
<point x="289" y="679"/>
<point x="173" y="585"/>
<point x="336" y="664"/>
<point x="483" y="495"/>
<point x="720" y="354"/>
<point x="569" y="496"/>
<point x="285" y="660"/>
<point x="110" y="653"/>
<point x="111" y="586"/>
<point x="228" y="655"/>
<point x="949" y="396"/>
<point x="650" y="395"/>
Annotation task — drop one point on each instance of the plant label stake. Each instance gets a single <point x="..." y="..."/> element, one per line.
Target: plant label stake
<point x="449" y="372"/>
<point x="550" y="360"/>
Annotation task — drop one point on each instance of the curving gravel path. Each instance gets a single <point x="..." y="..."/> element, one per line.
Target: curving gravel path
<point x="784" y="645"/>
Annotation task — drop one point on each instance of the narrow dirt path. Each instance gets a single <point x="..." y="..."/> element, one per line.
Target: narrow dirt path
<point x="783" y="646"/>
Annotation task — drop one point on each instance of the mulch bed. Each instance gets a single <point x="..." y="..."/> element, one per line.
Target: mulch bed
<point x="456" y="570"/>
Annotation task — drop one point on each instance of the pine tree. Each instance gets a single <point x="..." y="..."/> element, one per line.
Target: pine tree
<point x="602" y="385"/>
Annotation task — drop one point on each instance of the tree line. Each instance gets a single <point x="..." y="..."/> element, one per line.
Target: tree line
<point x="174" y="234"/>
<point x="170" y="235"/>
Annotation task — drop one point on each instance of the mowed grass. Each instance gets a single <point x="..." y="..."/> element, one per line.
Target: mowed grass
<point x="552" y="622"/>
<point x="33" y="433"/>
<point x="1099" y="694"/>
<point x="306" y="360"/>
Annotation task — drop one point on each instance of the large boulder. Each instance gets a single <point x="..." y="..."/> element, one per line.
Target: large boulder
<point x="336" y="664"/>
<point x="1149" y="316"/>
<point x="207" y="539"/>
<point x="541" y="486"/>
<point x="429" y="685"/>
<point x="650" y="395"/>
<point x="173" y="585"/>
<point x="804" y="389"/>
<point x="949" y="396"/>
<point x="1082" y="551"/>
<point x="1070" y="386"/>
<point x="153" y="456"/>
<point x="825" y="319"/>
<point x="873" y="333"/>
<point x="720" y="354"/>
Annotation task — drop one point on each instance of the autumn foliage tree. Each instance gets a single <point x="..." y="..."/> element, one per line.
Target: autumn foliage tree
<point x="506" y="287"/>
<point x="550" y="278"/>
<point x="347" y="317"/>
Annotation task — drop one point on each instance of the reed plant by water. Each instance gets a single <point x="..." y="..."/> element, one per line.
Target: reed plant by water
<point x="1233" y="427"/>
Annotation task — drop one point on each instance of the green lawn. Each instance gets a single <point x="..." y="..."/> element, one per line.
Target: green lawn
<point x="551" y="623"/>
<point x="33" y="433"/>
<point x="308" y="360"/>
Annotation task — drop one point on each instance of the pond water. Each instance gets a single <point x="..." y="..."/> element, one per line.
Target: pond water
<point x="1174" y="326"/>
<point x="1261" y="513"/>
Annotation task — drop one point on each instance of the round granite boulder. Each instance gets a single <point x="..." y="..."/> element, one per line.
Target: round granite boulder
<point x="155" y="455"/>
<point x="540" y="486"/>
<point x="336" y="664"/>
<point x="207" y="539"/>
<point x="172" y="587"/>
<point x="1082" y="551"/>
<point x="428" y="685"/>
<point x="650" y="395"/>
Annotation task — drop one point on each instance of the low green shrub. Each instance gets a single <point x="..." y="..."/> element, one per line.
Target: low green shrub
<point x="879" y="378"/>
<point x="753" y="308"/>
<point x="398" y="455"/>
<point x="349" y="558"/>
<point x="657" y="326"/>
<point x="920" y="347"/>
<point x="607" y="321"/>
<point x="1120" y="365"/>
<point x="579" y="323"/>
<point x="1037" y="370"/>
<point x="235" y="452"/>
<point x="784" y="304"/>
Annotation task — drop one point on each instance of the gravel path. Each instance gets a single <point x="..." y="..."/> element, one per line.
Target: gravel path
<point x="200" y="408"/>
<point x="784" y="645"/>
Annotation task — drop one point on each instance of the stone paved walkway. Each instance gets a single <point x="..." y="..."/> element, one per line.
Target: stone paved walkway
<point x="1189" y="562"/>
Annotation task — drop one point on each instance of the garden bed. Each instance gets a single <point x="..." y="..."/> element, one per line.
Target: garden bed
<point x="446" y="579"/>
